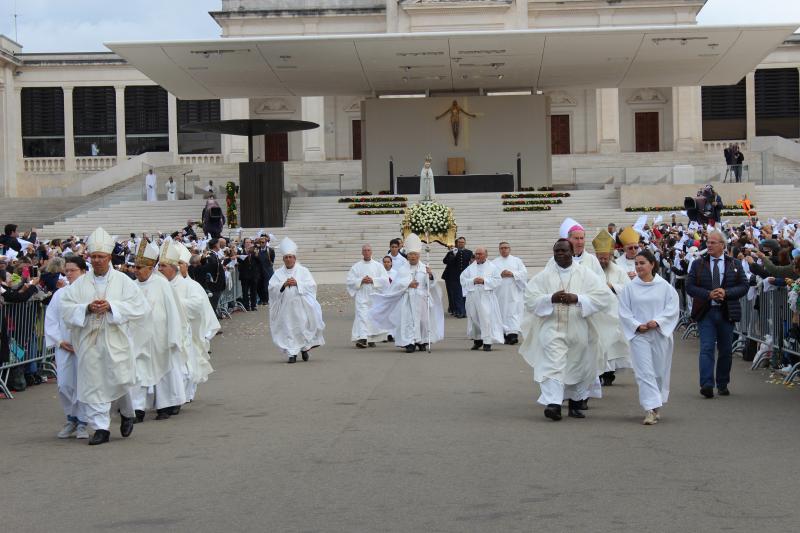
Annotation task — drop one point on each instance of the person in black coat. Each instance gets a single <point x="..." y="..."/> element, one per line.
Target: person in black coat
<point x="266" y="258"/>
<point x="716" y="282"/>
<point x="249" y="275"/>
<point x="457" y="260"/>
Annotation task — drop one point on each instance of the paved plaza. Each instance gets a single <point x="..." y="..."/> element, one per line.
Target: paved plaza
<point x="378" y="440"/>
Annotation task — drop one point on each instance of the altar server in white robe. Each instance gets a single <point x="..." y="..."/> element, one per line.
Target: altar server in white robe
<point x="158" y="340"/>
<point x="366" y="277"/>
<point x="172" y="189"/>
<point x="616" y="355"/>
<point x="480" y="282"/>
<point x="99" y="308"/>
<point x="295" y="316"/>
<point x="560" y="336"/>
<point x="197" y="318"/>
<point x="629" y="238"/>
<point x="58" y="335"/>
<point x="407" y="307"/>
<point x="649" y="308"/>
<point x="511" y="292"/>
<point x="150" y="186"/>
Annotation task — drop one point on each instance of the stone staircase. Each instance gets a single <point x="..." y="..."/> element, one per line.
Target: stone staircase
<point x="329" y="234"/>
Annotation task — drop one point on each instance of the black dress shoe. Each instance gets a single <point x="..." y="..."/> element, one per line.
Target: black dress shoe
<point x="304" y="355"/>
<point x="174" y="410"/>
<point x="476" y="345"/>
<point x="422" y="347"/>
<point x="292" y="359"/>
<point x="410" y="348"/>
<point x="371" y="344"/>
<point x="125" y="426"/>
<point x="389" y="338"/>
<point x="361" y="343"/>
<point x="607" y="378"/>
<point x="513" y="339"/>
<point x="553" y="412"/>
<point x="575" y="409"/>
<point x="163" y="414"/>
<point x="723" y="391"/>
<point x="139" y="416"/>
<point x="100" y="436"/>
<point x="487" y="347"/>
<point x="707" y="391"/>
<point x="584" y="404"/>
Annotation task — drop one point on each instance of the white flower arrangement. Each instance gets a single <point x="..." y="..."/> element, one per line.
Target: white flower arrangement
<point x="429" y="217"/>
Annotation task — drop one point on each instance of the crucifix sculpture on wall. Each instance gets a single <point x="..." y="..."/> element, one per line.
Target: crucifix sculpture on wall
<point x="455" y="111"/>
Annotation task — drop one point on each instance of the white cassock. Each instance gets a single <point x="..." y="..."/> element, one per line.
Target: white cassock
<point x="405" y="310"/>
<point x="363" y="327"/>
<point x="427" y="189"/>
<point x="398" y="261"/>
<point x="651" y="352"/>
<point x="484" y="321"/>
<point x="295" y="316"/>
<point x="150" y="187"/>
<point x="560" y="341"/>
<point x="172" y="190"/>
<point x="201" y="325"/>
<point x="616" y="355"/>
<point x="158" y="340"/>
<point x="105" y="355"/>
<point x="628" y="265"/>
<point x="510" y="293"/>
<point x="56" y="332"/>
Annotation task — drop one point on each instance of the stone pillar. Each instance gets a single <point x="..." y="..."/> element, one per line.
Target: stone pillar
<point x="313" y="110"/>
<point x="11" y="186"/>
<point x="392" y="16"/>
<point x="122" y="145"/>
<point x="608" y="121"/>
<point x="69" y="131"/>
<point x="750" y="98"/>
<point x="234" y="147"/>
<point x="172" y="128"/>
<point x="522" y="14"/>
<point x="687" y="119"/>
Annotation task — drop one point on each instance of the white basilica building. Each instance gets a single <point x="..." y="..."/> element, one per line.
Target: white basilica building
<point x="592" y="92"/>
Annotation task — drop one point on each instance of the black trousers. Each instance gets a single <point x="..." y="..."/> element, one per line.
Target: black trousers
<point x="456" y="295"/>
<point x="249" y="293"/>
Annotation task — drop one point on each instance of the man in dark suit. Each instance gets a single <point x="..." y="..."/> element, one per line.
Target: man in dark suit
<point x="716" y="282"/>
<point x="266" y="258"/>
<point x="249" y="275"/>
<point x="457" y="260"/>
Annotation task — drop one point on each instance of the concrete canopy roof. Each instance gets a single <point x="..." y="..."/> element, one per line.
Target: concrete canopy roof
<point x="368" y="64"/>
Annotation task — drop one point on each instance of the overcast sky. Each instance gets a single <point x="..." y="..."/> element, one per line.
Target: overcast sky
<point x="83" y="25"/>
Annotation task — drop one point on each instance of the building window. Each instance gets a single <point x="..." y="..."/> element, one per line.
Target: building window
<point x="725" y="112"/>
<point x="146" y="120"/>
<point x="95" y="119"/>
<point x="191" y="111"/>
<point x="42" y="122"/>
<point x="778" y="103"/>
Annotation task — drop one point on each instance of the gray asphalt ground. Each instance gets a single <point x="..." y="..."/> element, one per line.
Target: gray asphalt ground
<point x="377" y="440"/>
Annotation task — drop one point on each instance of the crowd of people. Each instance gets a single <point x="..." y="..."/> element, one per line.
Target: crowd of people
<point x="131" y="319"/>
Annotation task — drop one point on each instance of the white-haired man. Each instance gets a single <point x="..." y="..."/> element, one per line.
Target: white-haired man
<point x="366" y="277"/>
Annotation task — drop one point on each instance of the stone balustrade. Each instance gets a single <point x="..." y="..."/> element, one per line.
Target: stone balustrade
<point x="44" y="165"/>
<point x="719" y="146"/>
<point x="200" y="159"/>
<point x="96" y="163"/>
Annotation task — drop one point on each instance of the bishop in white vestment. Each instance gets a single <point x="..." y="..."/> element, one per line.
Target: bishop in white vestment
<point x="560" y="335"/>
<point x="295" y="316"/>
<point x="150" y="186"/>
<point x="511" y="292"/>
<point x="99" y="308"/>
<point x="366" y="277"/>
<point x="479" y="282"/>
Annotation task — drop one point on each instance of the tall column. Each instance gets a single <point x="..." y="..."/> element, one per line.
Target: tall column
<point x="608" y="121"/>
<point x="69" y="131"/>
<point x="750" y="98"/>
<point x="687" y="119"/>
<point x="234" y="147"/>
<point x="313" y="110"/>
<point x="122" y="145"/>
<point x="392" y="16"/>
<point x="522" y="14"/>
<point x="11" y="187"/>
<point x="172" y="113"/>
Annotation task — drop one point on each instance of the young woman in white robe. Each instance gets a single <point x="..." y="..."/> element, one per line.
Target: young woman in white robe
<point x="649" y="309"/>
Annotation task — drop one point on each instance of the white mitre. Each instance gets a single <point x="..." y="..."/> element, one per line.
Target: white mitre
<point x="413" y="244"/>
<point x="184" y="253"/>
<point x="568" y="225"/>
<point x="287" y="247"/>
<point x="100" y="241"/>
<point x="170" y="254"/>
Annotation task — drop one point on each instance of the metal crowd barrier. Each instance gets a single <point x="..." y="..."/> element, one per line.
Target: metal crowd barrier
<point x="230" y="301"/>
<point x="24" y="326"/>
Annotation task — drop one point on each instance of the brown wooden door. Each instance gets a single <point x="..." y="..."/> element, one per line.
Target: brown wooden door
<point x="276" y="147"/>
<point x="559" y="134"/>
<point x="357" y="139"/>
<point x="647" y="132"/>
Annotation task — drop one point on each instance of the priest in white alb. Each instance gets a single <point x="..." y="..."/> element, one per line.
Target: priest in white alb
<point x="99" y="308"/>
<point x="172" y="189"/>
<point x="616" y="355"/>
<point x="150" y="186"/>
<point x="560" y="337"/>
<point x="158" y="341"/>
<point x="412" y="307"/>
<point x="366" y="277"/>
<point x="479" y="283"/>
<point x="295" y="316"/>
<point x="511" y="292"/>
